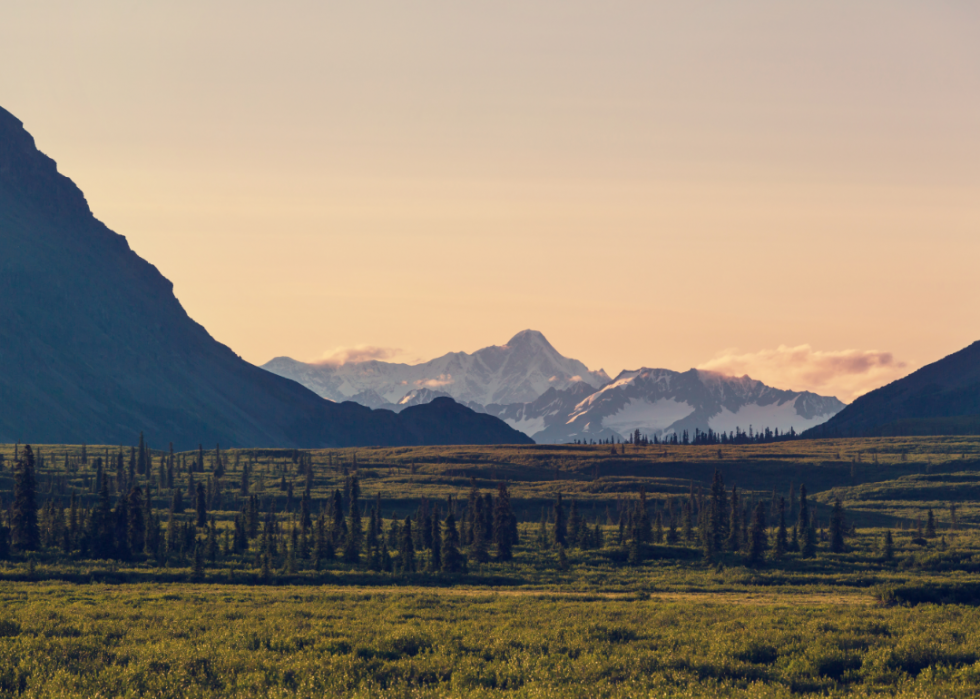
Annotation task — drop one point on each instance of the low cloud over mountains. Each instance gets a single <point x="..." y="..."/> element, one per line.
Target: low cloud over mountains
<point x="846" y="374"/>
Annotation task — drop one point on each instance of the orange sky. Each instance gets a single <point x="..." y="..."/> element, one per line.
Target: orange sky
<point x="784" y="189"/>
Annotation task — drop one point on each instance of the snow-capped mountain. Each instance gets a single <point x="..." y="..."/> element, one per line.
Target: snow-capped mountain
<point x="518" y="372"/>
<point x="660" y="401"/>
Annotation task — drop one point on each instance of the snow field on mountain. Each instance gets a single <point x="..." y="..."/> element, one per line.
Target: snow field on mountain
<point x="650" y="417"/>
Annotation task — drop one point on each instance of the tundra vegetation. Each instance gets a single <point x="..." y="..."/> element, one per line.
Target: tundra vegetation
<point x="805" y="567"/>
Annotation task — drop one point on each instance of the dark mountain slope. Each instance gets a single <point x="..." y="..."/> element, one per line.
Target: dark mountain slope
<point x="95" y="347"/>
<point x="941" y="398"/>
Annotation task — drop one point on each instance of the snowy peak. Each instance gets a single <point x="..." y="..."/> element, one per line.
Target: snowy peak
<point x="517" y="372"/>
<point x="659" y="402"/>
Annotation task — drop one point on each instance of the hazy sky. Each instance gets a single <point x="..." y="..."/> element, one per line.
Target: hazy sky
<point x="789" y="190"/>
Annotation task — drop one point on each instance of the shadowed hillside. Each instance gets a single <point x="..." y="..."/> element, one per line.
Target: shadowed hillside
<point x="942" y="398"/>
<point x="94" y="346"/>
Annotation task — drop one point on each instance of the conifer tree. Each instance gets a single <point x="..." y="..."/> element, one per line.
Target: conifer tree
<point x="211" y="549"/>
<point x="687" y="521"/>
<point x="355" y="534"/>
<point x="141" y="465"/>
<point x="658" y="529"/>
<point x="562" y="559"/>
<point x="338" y="526"/>
<point x="25" y="535"/>
<point x="201" y="506"/>
<point x="502" y="533"/>
<point x="435" y="560"/>
<point x="452" y="559"/>
<point x="574" y="526"/>
<point x="243" y="488"/>
<point x="120" y="533"/>
<point x="717" y="522"/>
<point x="888" y="550"/>
<point x="804" y="520"/>
<point x="136" y="522"/>
<point x="734" y="525"/>
<point x="809" y="548"/>
<point x="478" y="547"/>
<point x="239" y="543"/>
<point x="560" y="532"/>
<point x="779" y="550"/>
<point x="930" y="525"/>
<point x="837" y="528"/>
<point x="757" y="534"/>
<point x="635" y="555"/>
<point x="407" y="549"/>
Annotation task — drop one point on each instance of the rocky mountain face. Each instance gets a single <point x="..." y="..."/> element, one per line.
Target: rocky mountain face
<point x="94" y="346"/>
<point x="659" y="401"/>
<point x="517" y="372"/>
<point x="942" y="398"/>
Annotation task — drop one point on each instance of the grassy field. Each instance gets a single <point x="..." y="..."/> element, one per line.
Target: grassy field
<point x="592" y="625"/>
<point x="60" y="640"/>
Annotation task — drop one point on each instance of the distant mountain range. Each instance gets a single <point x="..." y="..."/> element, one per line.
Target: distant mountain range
<point x="516" y="372"/>
<point x="659" y="402"/>
<point x="95" y="348"/>
<point x="529" y="385"/>
<point x="942" y="398"/>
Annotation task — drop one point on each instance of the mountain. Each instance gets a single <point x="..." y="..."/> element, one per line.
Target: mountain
<point x="941" y="398"/>
<point x="94" y="346"/>
<point x="659" y="402"/>
<point x="517" y="372"/>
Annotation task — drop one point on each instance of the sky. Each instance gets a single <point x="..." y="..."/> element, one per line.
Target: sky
<point x="787" y="190"/>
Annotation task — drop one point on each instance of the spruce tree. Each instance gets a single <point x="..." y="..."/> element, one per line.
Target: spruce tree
<point x="136" y="522"/>
<point x="560" y="532"/>
<point x="201" y="506"/>
<point x="574" y="526"/>
<point x="781" y="541"/>
<point x="809" y="548"/>
<point x="25" y="535"/>
<point x="757" y="535"/>
<point x="930" y="525"/>
<point x="355" y="534"/>
<point x="478" y="547"/>
<point x="717" y="522"/>
<point x="452" y="559"/>
<point x="407" y="549"/>
<point x="435" y="560"/>
<point x="562" y="559"/>
<point x="837" y="528"/>
<point x="888" y="550"/>
<point x="734" y="525"/>
<point x="687" y="521"/>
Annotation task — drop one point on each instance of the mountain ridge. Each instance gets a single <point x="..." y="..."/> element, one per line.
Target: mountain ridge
<point x="94" y="346"/>
<point x="940" y="398"/>
<point x="662" y="401"/>
<point x="518" y="371"/>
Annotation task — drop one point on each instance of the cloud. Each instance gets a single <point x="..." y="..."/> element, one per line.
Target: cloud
<point x="442" y="380"/>
<point x="846" y="374"/>
<point x="358" y="354"/>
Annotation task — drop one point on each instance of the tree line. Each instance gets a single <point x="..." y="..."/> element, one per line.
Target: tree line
<point x="439" y="537"/>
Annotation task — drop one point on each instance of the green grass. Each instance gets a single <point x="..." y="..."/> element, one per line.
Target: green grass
<point x="206" y="641"/>
<point x="838" y="624"/>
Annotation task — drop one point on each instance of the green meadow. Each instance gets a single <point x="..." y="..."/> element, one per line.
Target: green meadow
<point x="630" y="602"/>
